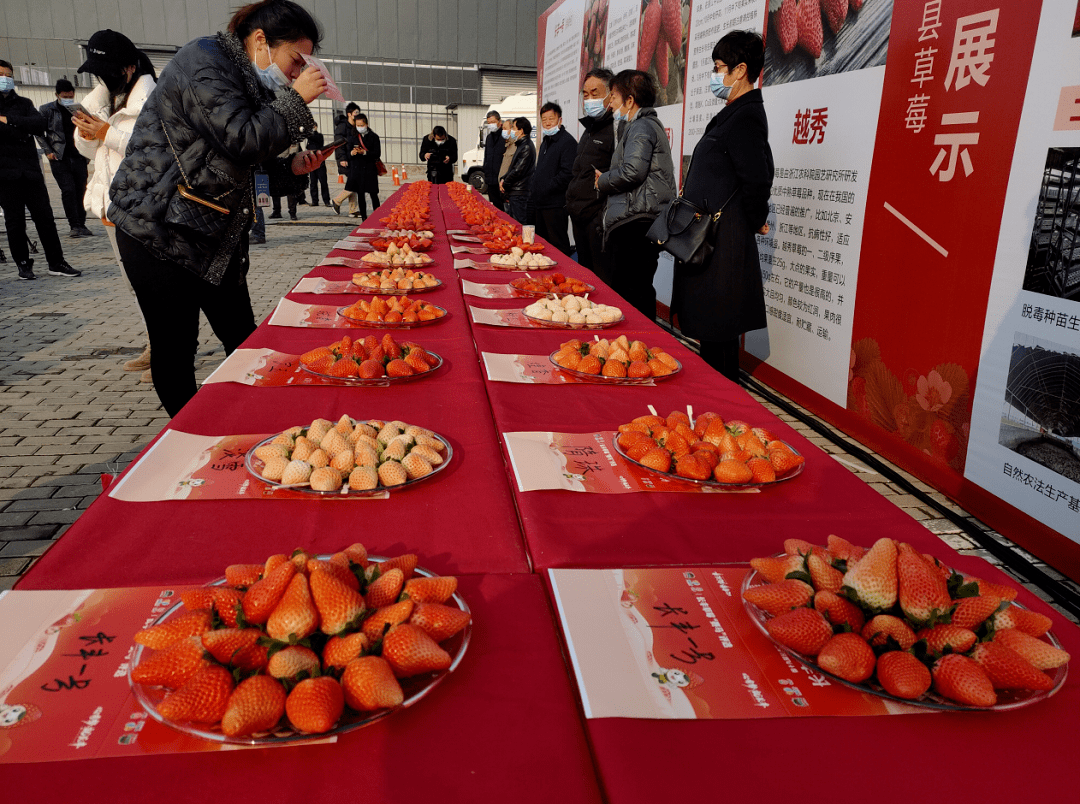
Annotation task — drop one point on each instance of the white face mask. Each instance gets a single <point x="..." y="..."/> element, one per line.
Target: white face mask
<point x="506" y="134"/>
<point x="272" y="77"/>
<point x="7" y="83"/>
<point x="361" y="129"/>
<point x="69" y="102"/>
<point x="439" y="142"/>
<point x="551" y="132"/>
<point x="492" y="128"/>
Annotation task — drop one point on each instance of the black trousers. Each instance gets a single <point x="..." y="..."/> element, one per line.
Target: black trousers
<point x="29" y="193"/>
<point x="495" y="195"/>
<point x="553" y="226"/>
<point x="589" y="239"/>
<point x="632" y="257"/>
<point x="170" y="298"/>
<point x="318" y="176"/>
<point x="362" y="203"/>
<point x="292" y="204"/>
<point x="722" y="356"/>
<point x="70" y="175"/>
<point x="518" y="207"/>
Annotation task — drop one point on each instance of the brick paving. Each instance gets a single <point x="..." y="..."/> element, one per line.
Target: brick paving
<point x="69" y="412"/>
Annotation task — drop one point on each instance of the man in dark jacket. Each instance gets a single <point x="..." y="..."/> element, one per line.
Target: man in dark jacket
<point x="439" y="150"/>
<point x="594" y="149"/>
<point x="22" y="185"/>
<point x="494" y="146"/>
<point x="315" y="142"/>
<point x="517" y="180"/>
<point x="68" y="166"/>
<point x="344" y="127"/>
<point x="551" y="178"/>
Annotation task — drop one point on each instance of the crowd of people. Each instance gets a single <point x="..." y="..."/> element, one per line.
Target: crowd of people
<point x="177" y="157"/>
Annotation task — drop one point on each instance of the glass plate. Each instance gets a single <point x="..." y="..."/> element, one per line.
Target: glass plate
<point x="378" y="381"/>
<point x="414" y="688"/>
<point x="600" y="378"/>
<point x="568" y="325"/>
<point x="394" y="291"/>
<point x="370" y="265"/>
<point x="399" y="325"/>
<point x="484" y="265"/>
<point x="712" y="483"/>
<point x="543" y="294"/>
<point x="1007" y="699"/>
<point x="253" y="465"/>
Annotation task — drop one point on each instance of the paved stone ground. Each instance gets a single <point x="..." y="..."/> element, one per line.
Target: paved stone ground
<point x="68" y="410"/>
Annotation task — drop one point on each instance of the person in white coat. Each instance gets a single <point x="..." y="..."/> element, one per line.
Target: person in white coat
<point x="125" y="80"/>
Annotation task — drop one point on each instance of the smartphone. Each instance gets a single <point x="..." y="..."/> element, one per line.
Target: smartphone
<point x="329" y="149"/>
<point x="78" y="107"/>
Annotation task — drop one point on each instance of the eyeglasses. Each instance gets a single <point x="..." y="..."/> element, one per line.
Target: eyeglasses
<point x="727" y="69"/>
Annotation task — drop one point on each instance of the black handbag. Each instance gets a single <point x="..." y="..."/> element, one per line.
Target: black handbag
<point x="686" y="231"/>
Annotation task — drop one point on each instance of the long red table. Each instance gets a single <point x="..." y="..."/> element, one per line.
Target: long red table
<point x="507" y="722"/>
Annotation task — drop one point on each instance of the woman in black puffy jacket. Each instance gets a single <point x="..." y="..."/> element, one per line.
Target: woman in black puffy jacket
<point x="184" y="197"/>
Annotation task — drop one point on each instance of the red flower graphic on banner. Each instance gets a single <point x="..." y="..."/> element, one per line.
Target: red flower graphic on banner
<point x="934" y="392"/>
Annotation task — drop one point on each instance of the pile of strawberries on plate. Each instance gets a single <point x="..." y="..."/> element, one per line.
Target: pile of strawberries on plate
<point x="396" y="311"/>
<point x="369" y="358"/>
<point x="411" y="211"/>
<point x="904" y="619"/>
<point x="299" y="640"/>
<point x="551" y="283"/>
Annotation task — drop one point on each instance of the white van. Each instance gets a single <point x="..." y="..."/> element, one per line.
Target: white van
<point x="522" y="104"/>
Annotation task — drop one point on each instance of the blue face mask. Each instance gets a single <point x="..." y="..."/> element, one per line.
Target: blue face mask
<point x="551" y="132"/>
<point x="69" y="102"/>
<point x="272" y="77"/>
<point x="7" y="83"/>
<point x="594" y="107"/>
<point x="717" y="87"/>
<point x="619" y="116"/>
<point x="506" y="134"/>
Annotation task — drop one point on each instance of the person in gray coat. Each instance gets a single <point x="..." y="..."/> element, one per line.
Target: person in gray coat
<point x="68" y="166"/>
<point x="639" y="182"/>
<point x="721" y="300"/>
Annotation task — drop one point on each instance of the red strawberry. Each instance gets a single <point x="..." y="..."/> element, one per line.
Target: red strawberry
<point x="315" y="704"/>
<point x="801" y="547"/>
<point x="438" y="621"/>
<point x="649" y="35"/>
<point x="335" y="569"/>
<point x="808" y="22"/>
<point x="391" y="615"/>
<point x="1038" y="653"/>
<point x="417" y="363"/>
<point x="256" y="704"/>
<point x="924" y="597"/>
<point x="345" y="367"/>
<point x="340" y="608"/>
<point x="319" y="353"/>
<point x="856" y="4"/>
<point x="243" y="574"/>
<point x="776" y="598"/>
<point x="173" y="666"/>
<point x="947" y="636"/>
<point x="1008" y="670"/>
<point x="228" y="603"/>
<point x="844" y="550"/>
<point x="200" y="598"/>
<point x="292" y="662"/>
<point x="775" y="569"/>
<point x="957" y="677"/>
<point x="871" y="582"/>
<point x="663" y="74"/>
<point x="273" y="562"/>
<point x="944" y="571"/>
<point x="295" y="614"/>
<point x="410" y="652"/>
<point x="836" y="14"/>
<point x="322" y="365"/>
<point x="406" y="563"/>
<point x="847" y="656"/>
<point x="300" y="558"/>
<point x="1030" y="622"/>
<point x="970" y="612"/>
<point x="341" y="650"/>
<point x="202" y="699"/>
<point x="823" y="576"/>
<point x="839" y="610"/>
<point x="902" y="675"/>
<point x="262" y="597"/>
<point x="1001" y="590"/>
<point x="884" y="627"/>
<point x="671" y="21"/>
<point x="786" y="26"/>
<point x="385" y="589"/>
<point x="390" y="347"/>
<point x="236" y="647"/>
<point x="357" y="554"/>
<point x="369" y="684"/>
<point x="803" y="630"/>
<point x="431" y="590"/>
<point x="399" y="368"/>
<point x="158" y="637"/>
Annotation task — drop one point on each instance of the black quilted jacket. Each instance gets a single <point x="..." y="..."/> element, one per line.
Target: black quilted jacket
<point x="209" y="106"/>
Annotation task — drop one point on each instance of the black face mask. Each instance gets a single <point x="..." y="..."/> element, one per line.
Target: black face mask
<point x="116" y="84"/>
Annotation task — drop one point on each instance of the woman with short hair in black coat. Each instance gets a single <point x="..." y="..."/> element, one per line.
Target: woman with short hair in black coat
<point x="732" y="168"/>
<point x="183" y="199"/>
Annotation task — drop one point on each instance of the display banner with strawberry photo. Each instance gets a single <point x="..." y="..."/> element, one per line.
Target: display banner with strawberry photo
<point x="183" y="466"/>
<point x="676" y="642"/>
<point x="588" y="462"/>
<point x="64" y="690"/>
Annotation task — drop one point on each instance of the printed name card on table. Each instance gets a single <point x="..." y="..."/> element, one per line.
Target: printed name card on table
<point x="677" y="643"/>
<point x="266" y="368"/>
<point x="349" y="244"/>
<point x="538" y="370"/>
<point x="485" y="265"/>
<point x="321" y="286"/>
<point x="468" y="250"/>
<point x="500" y="291"/>
<point x="321" y="316"/>
<point x="502" y="318"/>
<point x="343" y="262"/>
<point x="588" y="462"/>
<point x="182" y="466"/>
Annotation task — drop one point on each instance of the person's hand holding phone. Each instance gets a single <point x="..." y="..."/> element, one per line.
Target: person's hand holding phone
<point x="89" y="126"/>
<point x="307" y="161"/>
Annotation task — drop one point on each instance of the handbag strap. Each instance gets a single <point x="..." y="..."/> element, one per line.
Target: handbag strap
<point x="183" y="174"/>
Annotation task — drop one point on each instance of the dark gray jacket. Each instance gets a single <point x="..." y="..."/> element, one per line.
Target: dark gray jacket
<point x="642" y="175"/>
<point x="55" y="137"/>
<point x="18" y="153"/>
<point x="518" y="177"/>
<point x="209" y="114"/>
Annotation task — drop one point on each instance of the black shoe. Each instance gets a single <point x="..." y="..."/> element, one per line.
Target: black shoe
<point x="256" y="241"/>
<point x="313" y="204"/>
<point x="355" y="215"/>
<point x="74" y="232"/>
<point x="63" y="269"/>
<point x="274" y="215"/>
<point x="336" y="206"/>
<point x="292" y="217"/>
<point x="300" y="201"/>
<point x="84" y="232"/>
<point x="26" y="272"/>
